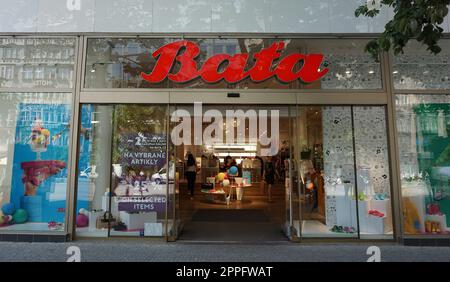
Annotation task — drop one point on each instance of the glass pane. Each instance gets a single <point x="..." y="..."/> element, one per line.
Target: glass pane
<point x="123" y="171"/>
<point x="141" y="173"/>
<point x="118" y="63"/>
<point x="423" y="143"/>
<point x="94" y="167"/>
<point x="34" y="149"/>
<point x="372" y="172"/>
<point x="37" y="62"/>
<point x="292" y="187"/>
<point x="327" y="172"/>
<point x="417" y="68"/>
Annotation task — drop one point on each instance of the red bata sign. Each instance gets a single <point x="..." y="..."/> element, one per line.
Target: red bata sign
<point x="235" y="68"/>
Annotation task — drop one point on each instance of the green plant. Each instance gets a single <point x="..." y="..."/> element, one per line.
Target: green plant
<point x="417" y="19"/>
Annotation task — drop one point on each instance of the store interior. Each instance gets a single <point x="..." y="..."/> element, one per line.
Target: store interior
<point x="240" y="192"/>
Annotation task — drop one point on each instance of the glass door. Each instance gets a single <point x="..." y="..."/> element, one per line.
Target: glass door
<point x="292" y="194"/>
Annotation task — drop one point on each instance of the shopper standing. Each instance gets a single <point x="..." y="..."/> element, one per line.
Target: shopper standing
<point x="191" y="173"/>
<point x="269" y="176"/>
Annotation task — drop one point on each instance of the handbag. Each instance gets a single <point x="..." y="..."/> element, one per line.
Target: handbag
<point x="106" y="220"/>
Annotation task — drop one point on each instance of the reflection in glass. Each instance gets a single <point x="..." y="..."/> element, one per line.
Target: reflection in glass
<point x="123" y="147"/>
<point x="37" y="62"/>
<point x="424" y="146"/>
<point x="418" y="68"/>
<point x="117" y="63"/>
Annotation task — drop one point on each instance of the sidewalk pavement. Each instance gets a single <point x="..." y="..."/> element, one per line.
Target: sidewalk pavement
<point x="150" y="251"/>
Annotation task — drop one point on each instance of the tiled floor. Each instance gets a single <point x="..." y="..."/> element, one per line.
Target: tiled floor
<point x="246" y="225"/>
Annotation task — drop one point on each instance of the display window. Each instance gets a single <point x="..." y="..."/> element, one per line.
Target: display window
<point x="34" y="148"/>
<point x="424" y="144"/>
<point x="123" y="171"/>
<point x="344" y="172"/>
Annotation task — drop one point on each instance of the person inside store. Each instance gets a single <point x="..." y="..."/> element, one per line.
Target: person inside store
<point x="312" y="184"/>
<point x="269" y="176"/>
<point x="191" y="173"/>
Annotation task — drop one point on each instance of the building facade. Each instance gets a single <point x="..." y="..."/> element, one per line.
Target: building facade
<point x="87" y="129"/>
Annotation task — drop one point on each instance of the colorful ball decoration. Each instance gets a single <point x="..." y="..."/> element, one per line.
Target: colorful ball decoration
<point x="233" y="170"/>
<point x="221" y="176"/>
<point x="8" y="209"/>
<point x="226" y="183"/>
<point x="83" y="211"/>
<point x="6" y="219"/>
<point x="82" y="220"/>
<point x="20" y="216"/>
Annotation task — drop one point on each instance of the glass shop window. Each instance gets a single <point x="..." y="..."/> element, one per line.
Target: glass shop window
<point x="34" y="150"/>
<point x="423" y="124"/>
<point x="123" y="178"/>
<point x="417" y="68"/>
<point x="23" y="54"/>
<point x="344" y="172"/>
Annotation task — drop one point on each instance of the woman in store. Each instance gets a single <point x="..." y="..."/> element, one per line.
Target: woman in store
<point x="269" y="176"/>
<point x="191" y="173"/>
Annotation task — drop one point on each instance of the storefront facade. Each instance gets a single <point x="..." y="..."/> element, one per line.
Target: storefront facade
<point x="73" y="104"/>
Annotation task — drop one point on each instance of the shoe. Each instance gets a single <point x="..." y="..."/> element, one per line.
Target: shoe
<point x="334" y="229"/>
<point x="376" y="213"/>
<point x="438" y="227"/>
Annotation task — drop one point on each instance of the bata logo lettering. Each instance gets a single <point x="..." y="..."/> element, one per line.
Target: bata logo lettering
<point x="184" y="52"/>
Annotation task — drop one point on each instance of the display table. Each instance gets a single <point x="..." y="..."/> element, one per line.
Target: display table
<point x="215" y="196"/>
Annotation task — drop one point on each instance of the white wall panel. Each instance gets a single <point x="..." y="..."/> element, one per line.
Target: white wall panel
<point x="18" y="15"/>
<point x="342" y="17"/>
<point x="240" y="15"/>
<point x="137" y="16"/>
<point x="65" y="16"/>
<point x="123" y="15"/>
<point x="181" y="16"/>
<point x="300" y="16"/>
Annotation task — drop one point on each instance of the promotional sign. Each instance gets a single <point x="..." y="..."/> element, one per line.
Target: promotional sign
<point x="142" y="149"/>
<point x="184" y="53"/>
<point x="154" y="203"/>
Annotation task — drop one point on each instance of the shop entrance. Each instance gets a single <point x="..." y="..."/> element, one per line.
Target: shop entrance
<point x="233" y="172"/>
<point x="331" y="176"/>
<point x="232" y="163"/>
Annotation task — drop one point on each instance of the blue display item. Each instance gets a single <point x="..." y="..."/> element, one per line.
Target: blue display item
<point x="39" y="175"/>
<point x="233" y="171"/>
<point x="84" y="156"/>
<point x="8" y="209"/>
<point x="247" y="175"/>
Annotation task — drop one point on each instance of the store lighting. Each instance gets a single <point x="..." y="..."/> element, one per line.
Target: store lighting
<point x="95" y="122"/>
<point x="395" y="72"/>
<point x="348" y="72"/>
<point x="371" y="72"/>
<point x="93" y="68"/>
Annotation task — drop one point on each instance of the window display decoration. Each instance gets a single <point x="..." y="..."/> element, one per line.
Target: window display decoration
<point x="338" y="165"/>
<point x="38" y="188"/>
<point x="422" y="123"/>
